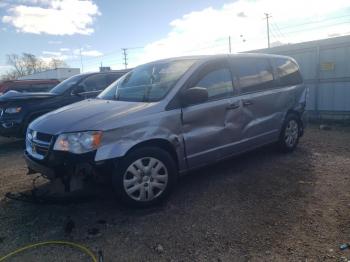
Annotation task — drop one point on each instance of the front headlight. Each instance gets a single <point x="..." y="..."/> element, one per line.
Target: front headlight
<point x="13" y="110"/>
<point x="78" y="143"/>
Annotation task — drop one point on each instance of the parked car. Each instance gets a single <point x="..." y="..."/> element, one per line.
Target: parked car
<point x="17" y="110"/>
<point x="167" y="117"/>
<point x="28" y="85"/>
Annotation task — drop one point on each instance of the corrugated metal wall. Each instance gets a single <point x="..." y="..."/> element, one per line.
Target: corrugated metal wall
<point x="325" y="65"/>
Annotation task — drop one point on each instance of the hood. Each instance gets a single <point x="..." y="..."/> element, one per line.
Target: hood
<point x="17" y="96"/>
<point x="91" y="114"/>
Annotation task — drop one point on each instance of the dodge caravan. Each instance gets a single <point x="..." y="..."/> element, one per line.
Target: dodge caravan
<point x="167" y="117"/>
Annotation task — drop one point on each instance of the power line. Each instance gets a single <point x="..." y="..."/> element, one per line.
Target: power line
<point x="274" y="34"/>
<point x="277" y="30"/>
<point x="314" y="22"/>
<point x="315" y="28"/>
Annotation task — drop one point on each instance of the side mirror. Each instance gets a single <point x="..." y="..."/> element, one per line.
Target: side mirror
<point x="77" y="90"/>
<point x="194" y="95"/>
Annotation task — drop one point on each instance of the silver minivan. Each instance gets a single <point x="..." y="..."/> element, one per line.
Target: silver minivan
<point x="167" y="117"/>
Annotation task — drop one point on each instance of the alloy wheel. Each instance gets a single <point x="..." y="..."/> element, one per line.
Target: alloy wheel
<point x="291" y="133"/>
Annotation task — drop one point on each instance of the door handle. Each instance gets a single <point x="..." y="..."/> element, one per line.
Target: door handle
<point x="232" y="106"/>
<point x="247" y="102"/>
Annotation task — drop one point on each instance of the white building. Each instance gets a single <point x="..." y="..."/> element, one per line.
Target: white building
<point x="58" y="73"/>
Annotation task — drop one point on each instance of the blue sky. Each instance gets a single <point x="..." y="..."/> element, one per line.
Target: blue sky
<point x="155" y="29"/>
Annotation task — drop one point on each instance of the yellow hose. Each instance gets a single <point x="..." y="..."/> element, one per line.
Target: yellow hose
<point x="65" y="243"/>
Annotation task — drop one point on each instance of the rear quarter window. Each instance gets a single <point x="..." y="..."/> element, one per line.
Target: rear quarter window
<point x="288" y="72"/>
<point x="113" y="77"/>
<point x="254" y="74"/>
<point x="95" y="82"/>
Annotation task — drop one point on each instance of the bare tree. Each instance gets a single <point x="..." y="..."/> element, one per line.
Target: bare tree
<point x="57" y="63"/>
<point x="31" y="63"/>
<point x="27" y="64"/>
<point x="17" y="63"/>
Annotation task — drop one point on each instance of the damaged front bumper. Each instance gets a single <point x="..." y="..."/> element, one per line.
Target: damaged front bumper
<point x="74" y="171"/>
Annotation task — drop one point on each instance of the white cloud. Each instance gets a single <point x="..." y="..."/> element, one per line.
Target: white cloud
<point x="51" y="53"/>
<point x="92" y="53"/>
<point x="207" y="31"/>
<point x="54" y="42"/>
<point x="84" y="52"/>
<point x="69" y="54"/>
<point x="54" y="17"/>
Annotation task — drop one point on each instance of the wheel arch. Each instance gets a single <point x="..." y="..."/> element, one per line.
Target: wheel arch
<point x="164" y="144"/>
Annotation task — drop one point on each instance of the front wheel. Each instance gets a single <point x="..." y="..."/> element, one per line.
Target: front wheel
<point x="145" y="176"/>
<point x="289" y="136"/>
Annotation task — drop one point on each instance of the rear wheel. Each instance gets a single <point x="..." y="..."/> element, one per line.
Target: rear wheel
<point x="145" y="176"/>
<point x="289" y="137"/>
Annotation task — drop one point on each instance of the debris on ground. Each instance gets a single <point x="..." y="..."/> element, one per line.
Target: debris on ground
<point x="344" y="246"/>
<point x="94" y="232"/>
<point x="325" y="127"/>
<point x="159" y="248"/>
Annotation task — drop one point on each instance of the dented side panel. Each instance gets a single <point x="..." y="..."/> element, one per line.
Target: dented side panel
<point x="209" y="129"/>
<point x="164" y="126"/>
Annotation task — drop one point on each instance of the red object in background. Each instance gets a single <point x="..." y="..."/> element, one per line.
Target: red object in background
<point x="39" y="85"/>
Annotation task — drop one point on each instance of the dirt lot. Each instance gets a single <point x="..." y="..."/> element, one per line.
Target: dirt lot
<point x="262" y="206"/>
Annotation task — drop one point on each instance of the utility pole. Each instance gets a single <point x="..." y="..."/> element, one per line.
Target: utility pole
<point x="81" y="61"/>
<point x="125" y="55"/>
<point x="268" y="29"/>
<point x="229" y="44"/>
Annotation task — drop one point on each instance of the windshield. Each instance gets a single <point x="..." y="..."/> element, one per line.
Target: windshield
<point x="147" y="83"/>
<point x="66" y="84"/>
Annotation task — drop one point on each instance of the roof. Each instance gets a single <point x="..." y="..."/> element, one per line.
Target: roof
<point x="211" y="57"/>
<point x="29" y="80"/>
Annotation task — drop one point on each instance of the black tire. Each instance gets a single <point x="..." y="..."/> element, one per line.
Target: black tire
<point x="291" y="128"/>
<point x="120" y="171"/>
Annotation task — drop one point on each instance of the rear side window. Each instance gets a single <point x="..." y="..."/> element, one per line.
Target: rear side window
<point x="22" y="88"/>
<point x="95" y="83"/>
<point x="43" y="87"/>
<point x="255" y="74"/>
<point x="112" y="77"/>
<point x="288" y="72"/>
<point x="218" y="82"/>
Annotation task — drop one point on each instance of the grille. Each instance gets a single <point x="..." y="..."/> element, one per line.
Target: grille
<point x="38" y="144"/>
<point x="44" y="137"/>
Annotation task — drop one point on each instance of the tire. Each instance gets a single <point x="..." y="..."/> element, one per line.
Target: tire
<point x="136" y="184"/>
<point x="290" y="133"/>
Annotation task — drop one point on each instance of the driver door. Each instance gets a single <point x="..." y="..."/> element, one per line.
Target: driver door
<point x="208" y="128"/>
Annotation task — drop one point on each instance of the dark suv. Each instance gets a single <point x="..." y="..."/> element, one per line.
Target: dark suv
<point x="17" y="110"/>
<point x="38" y="85"/>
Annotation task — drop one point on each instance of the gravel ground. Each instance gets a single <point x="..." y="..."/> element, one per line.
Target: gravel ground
<point x="262" y="206"/>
